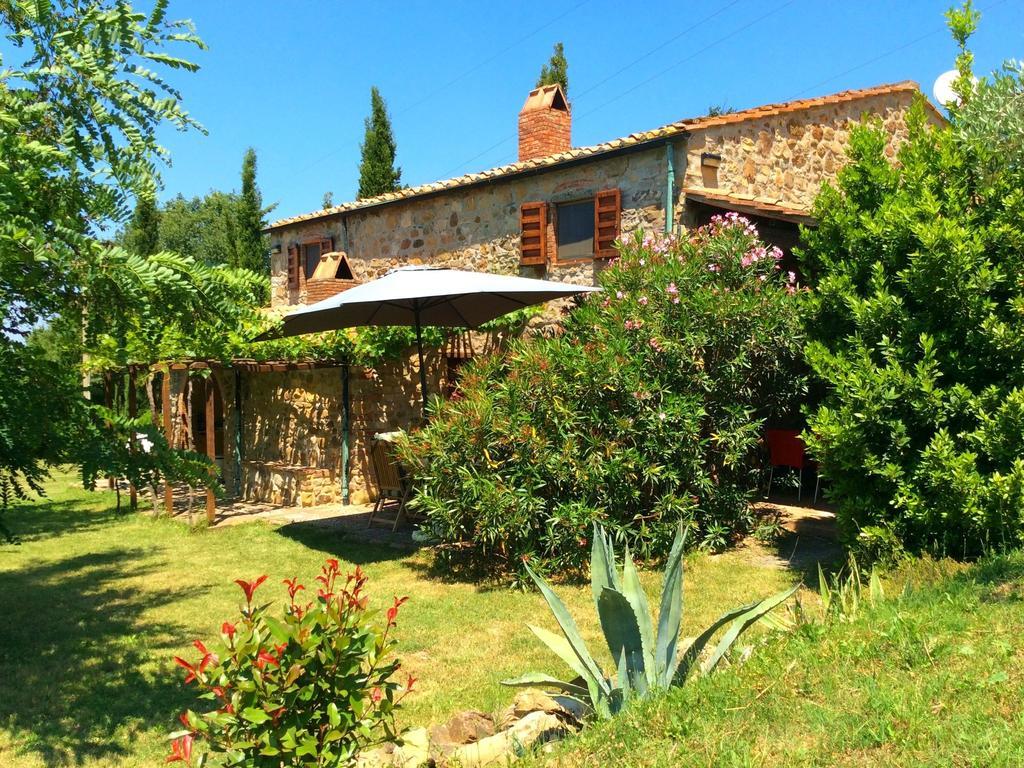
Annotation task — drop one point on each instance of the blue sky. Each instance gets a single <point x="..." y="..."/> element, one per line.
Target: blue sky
<point x="292" y="79"/>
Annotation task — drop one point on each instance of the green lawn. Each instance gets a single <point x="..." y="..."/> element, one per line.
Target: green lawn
<point x="930" y="678"/>
<point x="95" y="604"/>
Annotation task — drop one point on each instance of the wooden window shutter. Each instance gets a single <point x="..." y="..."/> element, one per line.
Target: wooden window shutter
<point x="293" y="266"/>
<point x="607" y="212"/>
<point x="326" y="245"/>
<point x="533" y="239"/>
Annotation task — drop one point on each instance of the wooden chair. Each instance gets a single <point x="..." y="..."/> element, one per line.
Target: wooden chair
<point x="394" y="486"/>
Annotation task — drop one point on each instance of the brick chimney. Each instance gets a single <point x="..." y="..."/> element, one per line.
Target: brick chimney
<point x="545" y="123"/>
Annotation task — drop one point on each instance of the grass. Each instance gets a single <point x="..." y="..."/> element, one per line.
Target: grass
<point x="933" y="676"/>
<point x="94" y="605"/>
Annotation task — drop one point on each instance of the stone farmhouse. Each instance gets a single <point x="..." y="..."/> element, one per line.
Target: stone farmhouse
<point x="299" y="433"/>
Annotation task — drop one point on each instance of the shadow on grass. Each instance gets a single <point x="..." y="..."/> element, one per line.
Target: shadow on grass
<point x="345" y="544"/>
<point x="76" y="671"/>
<point x="44" y="518"/>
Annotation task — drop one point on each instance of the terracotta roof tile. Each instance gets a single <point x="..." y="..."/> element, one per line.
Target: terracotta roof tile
<point x="677" y="128"/>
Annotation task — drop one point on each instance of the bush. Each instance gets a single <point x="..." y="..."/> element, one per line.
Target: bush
<point x="642" y="413"/>
<point x="917" y="329"/>
<point x="311" y="688"/>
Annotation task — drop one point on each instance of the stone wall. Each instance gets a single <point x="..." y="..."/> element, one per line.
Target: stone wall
<point x="292" y="421"/>
<point x="787" y="157"/>
<point x="477" y="228"/>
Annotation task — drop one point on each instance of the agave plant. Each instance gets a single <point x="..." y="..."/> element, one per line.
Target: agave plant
<point x="645" y="662"/>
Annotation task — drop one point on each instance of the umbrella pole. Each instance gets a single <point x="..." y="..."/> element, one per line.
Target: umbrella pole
<point x="423" y="370"/>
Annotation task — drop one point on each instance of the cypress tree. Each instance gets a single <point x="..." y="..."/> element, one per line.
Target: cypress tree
<point x="377" y="171"/>
<point x="250" y="244"/>
<point x="144" y="232"/>
<point x="556" y="70"/>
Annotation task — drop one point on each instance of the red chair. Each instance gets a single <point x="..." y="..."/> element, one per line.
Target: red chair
<point x="786" y="449"/>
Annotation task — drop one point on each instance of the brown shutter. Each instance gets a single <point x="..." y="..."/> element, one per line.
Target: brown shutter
<point x="326" y="245"/>
<point x="607" y="212"/>
<point x="293" y="266"/>
<point x="533" y="239"/>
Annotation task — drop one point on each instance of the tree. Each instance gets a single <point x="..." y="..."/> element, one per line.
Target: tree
<point x="556" y="70"/>
<point x="144" y="231"/>
<point x="253" y="252"/>
<point x="377" y="171"/>
<point x="82" y="86"/>
<point x="917" y="334"/>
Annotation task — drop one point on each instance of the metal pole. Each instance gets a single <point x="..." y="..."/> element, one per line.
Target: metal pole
<point x="423" y="370"/>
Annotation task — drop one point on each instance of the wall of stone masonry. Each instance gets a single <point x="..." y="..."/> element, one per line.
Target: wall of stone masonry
<point x="786" y="158"/>
<point x="292" y="422"/>
<point x="477" y="228"/>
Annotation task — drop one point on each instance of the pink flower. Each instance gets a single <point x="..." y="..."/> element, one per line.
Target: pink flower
<point x="642" y="301"/>
<point x="714" y="268"/>
<point x="672" y="289"/>
<point x="619" y="294"/>
<point x="675" y="299"/>
<point x="791" y="277"/>
<point x="776" y="253"/>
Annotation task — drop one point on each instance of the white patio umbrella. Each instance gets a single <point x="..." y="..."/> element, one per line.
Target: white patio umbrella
<point x="424" y="295"/>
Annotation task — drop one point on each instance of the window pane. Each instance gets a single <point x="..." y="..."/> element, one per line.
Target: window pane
<point x="576" y="230"/>
<point x="311" y="257"/>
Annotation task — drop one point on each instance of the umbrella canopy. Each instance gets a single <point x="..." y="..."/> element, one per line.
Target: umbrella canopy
<point x="424" y="295"/>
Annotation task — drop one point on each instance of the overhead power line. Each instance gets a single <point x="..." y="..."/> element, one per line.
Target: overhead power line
<point x="650" y="52"/>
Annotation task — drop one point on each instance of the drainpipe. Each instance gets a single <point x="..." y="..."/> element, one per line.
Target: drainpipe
<point x="345" y="417"/>
<point x="670" y="187"/>
<point x="238" y="432"/>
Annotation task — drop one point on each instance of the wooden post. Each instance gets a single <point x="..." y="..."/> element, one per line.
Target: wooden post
<point x="108" y="402"/>
<point x="165" y="404"/>
<point x="211" y="445"/>
<point x="133" y="411"/>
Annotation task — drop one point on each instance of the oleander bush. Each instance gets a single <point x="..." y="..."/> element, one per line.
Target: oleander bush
<point x="916" y="327"/>
<point x="642" y="413"/>
<point x="308" y="688"/>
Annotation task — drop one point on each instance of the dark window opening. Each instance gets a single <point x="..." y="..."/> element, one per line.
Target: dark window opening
<point x="575" y="230"/>
<point x="310" y="258"/>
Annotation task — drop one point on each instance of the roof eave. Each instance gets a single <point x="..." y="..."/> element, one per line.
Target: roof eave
<point x="571" y="162"/>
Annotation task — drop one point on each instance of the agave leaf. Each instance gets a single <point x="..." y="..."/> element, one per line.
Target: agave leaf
<point x="602" y="564"/>
<point x="587" y="668"/>
<point x="622" y="632"/>
<point x="741" y="623"/>
<point x="670" y="614"/>
<point x="637" y="598"/>
<point x="682" y="666"/>
<point x="540" y="680"/>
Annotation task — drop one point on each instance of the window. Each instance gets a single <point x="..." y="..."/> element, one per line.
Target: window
<point x="580" y="229"/>
<point x="304" y="258"/>
<point x="575" y="230"/>
<point x="310" y="258"/>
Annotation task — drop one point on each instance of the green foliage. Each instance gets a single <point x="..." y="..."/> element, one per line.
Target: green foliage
<point x="842" y="593"/>
<point x="917" y="331"/>
<point x="203" y="228"/>
<point x="556" y="70"/>
<point x="253" y="252"/>
<point x="646" y="662"/>
<point x="377" y="171"/>
<point x="144" y="232"/>
<point x="643" y="413"/>
<point x="82" y="96"/>
<point x="308" y="689"/>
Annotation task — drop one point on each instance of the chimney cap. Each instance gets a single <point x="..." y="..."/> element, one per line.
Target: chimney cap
<point x="546" y="97"/>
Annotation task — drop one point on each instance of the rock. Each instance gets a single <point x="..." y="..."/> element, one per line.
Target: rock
<point x="414" y="751"/>
<point x="464" y="728"/>
<point x="532" y="700"/>
<point x="534" y="729"/>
